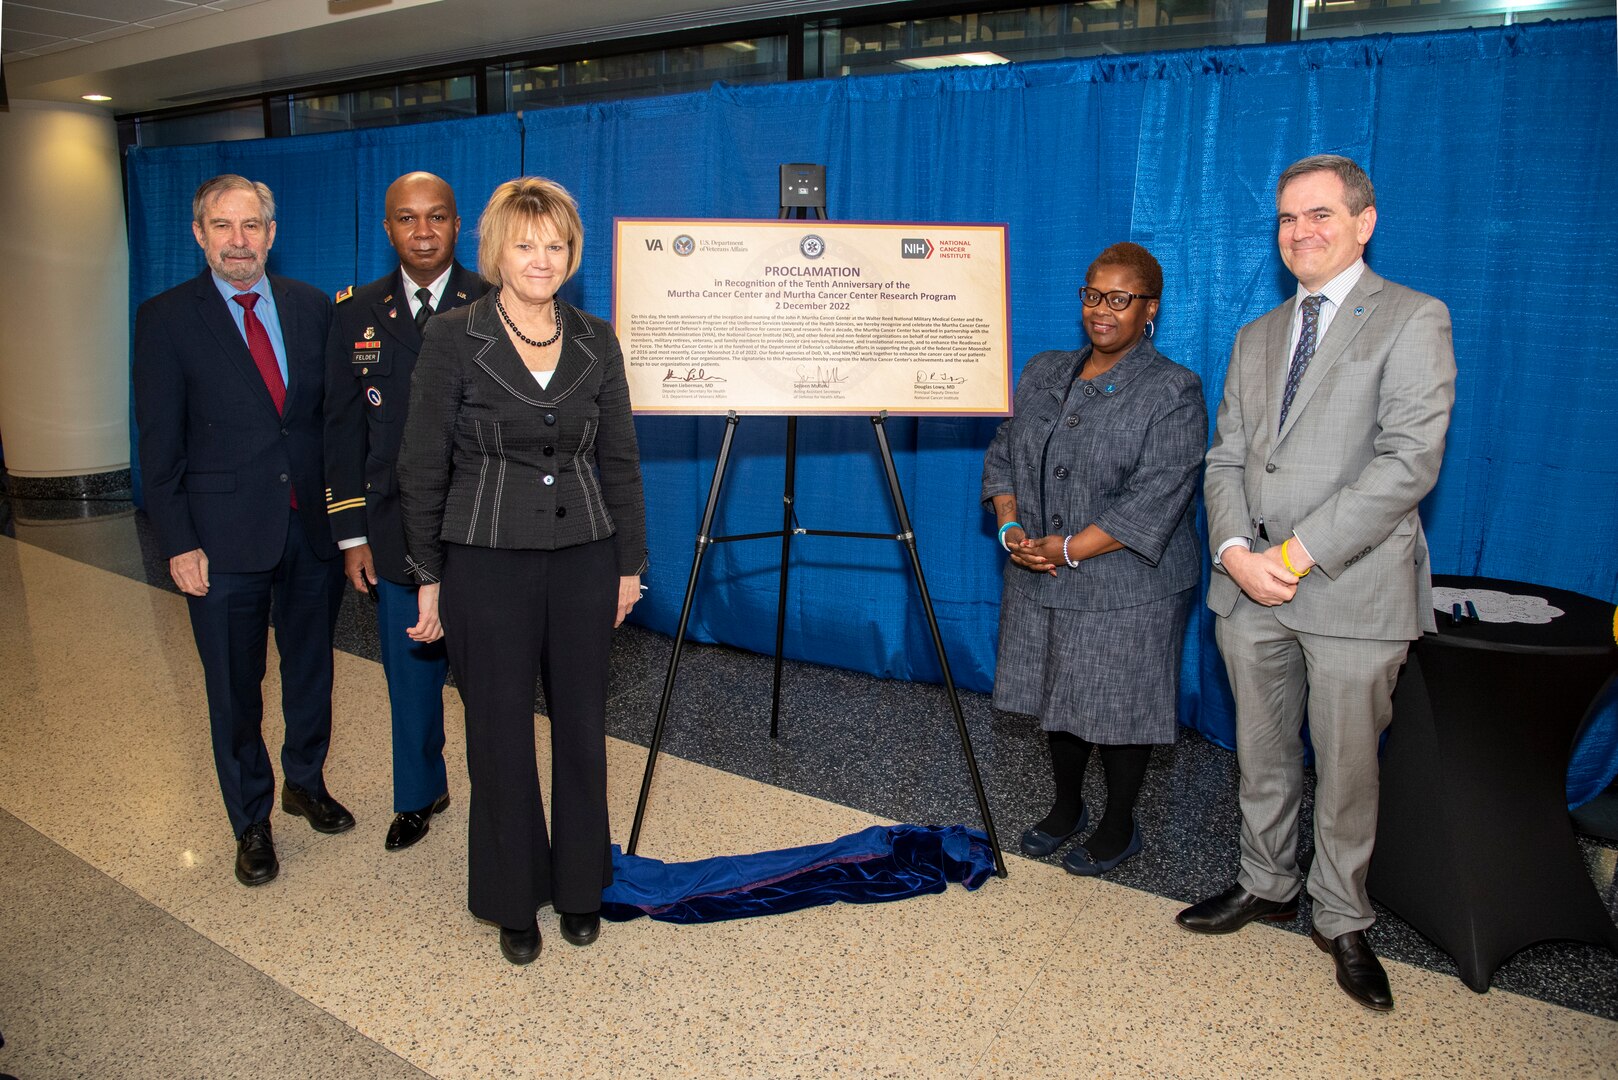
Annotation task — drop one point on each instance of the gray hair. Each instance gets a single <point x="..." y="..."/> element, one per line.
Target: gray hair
<point x="212" y="189"/>
<point x="1357" y="189"/>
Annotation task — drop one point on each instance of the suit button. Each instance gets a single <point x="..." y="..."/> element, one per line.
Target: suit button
<point x="549" y="450"/>
<point x="1089" y="391"/>
<point x="1271" y="467"/>
<point x="1073" y="421"/>
<point x="367" y="485"/>
<point x="284" y="431"/>
<point x="550" y="418"/>
<point x="549" y="479"/>
<point x="561" y="511"/>
<point x="1061" y="472"/>
<point x="365" y="371"/>
<point x="1056" y="521"/>
<point x="283" y="478"/>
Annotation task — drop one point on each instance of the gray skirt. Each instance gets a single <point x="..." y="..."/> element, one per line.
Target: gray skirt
<point x="1110" y="677"/>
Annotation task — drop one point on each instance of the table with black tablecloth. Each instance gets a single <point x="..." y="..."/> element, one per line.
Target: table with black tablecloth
<point x="1474" y="847"/>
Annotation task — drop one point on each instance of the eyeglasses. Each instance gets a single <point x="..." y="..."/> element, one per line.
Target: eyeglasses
<point x="1117" y="299"/>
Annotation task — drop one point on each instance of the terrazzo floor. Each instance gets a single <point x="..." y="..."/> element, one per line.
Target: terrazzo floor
<point x="128" y="950"/>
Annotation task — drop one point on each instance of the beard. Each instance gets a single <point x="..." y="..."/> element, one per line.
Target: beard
<point x="235" y="271"/>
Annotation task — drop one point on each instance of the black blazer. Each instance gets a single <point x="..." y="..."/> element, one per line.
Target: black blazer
<point x="369" y="359"/>
<point x="489" y="459"/>
<point x="218" y="464"/>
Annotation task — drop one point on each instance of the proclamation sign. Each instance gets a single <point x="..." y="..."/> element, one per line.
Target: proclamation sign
<point x="804" y="317"/>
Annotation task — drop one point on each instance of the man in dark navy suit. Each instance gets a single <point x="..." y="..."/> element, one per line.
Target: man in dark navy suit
<point x="229" y="383"/>
<point x="376" y="333"/>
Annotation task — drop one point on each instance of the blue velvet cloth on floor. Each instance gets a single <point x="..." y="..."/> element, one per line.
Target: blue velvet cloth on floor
<point x="884" y="862"/>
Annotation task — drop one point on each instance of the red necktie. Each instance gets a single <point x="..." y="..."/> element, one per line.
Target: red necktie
<point x="258" y="343"/>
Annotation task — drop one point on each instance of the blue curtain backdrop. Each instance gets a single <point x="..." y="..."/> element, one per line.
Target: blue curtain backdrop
<point x="1493" y="155"/>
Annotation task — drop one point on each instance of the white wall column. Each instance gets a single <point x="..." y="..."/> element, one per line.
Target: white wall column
<point x="64" y="300"/>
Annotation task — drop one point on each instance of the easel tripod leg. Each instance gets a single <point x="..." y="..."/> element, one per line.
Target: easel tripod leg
<point x="788" y="497"/>
<point x="907" y="534"/>
<point x="704" y="540"/>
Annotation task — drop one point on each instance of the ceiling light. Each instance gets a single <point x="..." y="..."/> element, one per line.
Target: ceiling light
<point x="971" y="59"/>
<point x="96" y="97"/>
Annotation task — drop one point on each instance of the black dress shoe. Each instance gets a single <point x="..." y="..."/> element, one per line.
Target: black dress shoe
<point x="1038" y="843"/>
<point x="1233" y="909"/>
<point x="255" y="855"/>
<point x="581" y="929"/>
<point x="325" y="813"/>
<point x="412" y="825"/>
<point x="520" y="946"/>
<point x="1359" y="972"/>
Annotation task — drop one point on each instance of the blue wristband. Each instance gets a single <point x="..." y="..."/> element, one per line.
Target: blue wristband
<point x="1003" y="528"/>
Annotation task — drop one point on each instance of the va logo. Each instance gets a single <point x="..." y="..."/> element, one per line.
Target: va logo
<point x="812" y="246"/>
<point x="915" y="249"/>
<point x="684" y="245"/>
<point x="654" y="245"/>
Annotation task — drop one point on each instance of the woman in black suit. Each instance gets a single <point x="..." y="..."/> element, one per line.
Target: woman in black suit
<point x="520" y="484"/>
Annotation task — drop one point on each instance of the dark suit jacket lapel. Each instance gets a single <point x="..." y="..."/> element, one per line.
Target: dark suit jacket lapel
<point x="291" y="319"/>
<point x="496" y="355"/>
<point x="463" y="288"/>
<point x="217" y="318"/>
<point x="499" y="358"/>
<point x="580" y="353"/>
<point x="1345" y="327"/>
<point x="392" y="313"/>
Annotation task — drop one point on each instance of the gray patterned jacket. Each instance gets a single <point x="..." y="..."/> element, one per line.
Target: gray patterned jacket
<point x="1123" y="452"/>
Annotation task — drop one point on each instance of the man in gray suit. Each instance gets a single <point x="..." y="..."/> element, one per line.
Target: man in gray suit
<point x="1330" y="433"/>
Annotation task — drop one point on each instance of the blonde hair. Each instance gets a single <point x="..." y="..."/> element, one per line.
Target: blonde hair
<point x="519" y="205"/>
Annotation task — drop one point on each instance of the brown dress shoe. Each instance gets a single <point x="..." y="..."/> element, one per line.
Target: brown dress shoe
<point x="1359" y="972"/>
<point x="1233" y="909"/>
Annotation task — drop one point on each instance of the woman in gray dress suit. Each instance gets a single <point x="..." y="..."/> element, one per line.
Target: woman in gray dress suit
<point x="1091" y="484"/>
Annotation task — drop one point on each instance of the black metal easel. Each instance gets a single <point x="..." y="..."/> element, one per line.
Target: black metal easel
<point x="803" y="194"/>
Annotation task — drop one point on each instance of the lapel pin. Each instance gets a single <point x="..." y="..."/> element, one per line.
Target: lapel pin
<point x="388" y="299"/>
<point x="393" y="313"/>
<point x="1358" y="312"/>
<point x="370" y="332"/>
<point x="460" y="295"/>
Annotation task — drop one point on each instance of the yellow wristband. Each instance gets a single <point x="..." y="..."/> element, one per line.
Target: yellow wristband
<point x="1286" y="562"/>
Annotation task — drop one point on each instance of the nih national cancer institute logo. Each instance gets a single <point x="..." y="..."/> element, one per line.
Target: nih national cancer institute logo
<point x="915" y="249"/>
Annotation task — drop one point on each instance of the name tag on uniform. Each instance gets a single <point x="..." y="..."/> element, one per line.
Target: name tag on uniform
<point x="365" y="351"/>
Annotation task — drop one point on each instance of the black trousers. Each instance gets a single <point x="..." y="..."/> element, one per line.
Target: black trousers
<point x="510" y="617"/>
<point x="231" y="625"/>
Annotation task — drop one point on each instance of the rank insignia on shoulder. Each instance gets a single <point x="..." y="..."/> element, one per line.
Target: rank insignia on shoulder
<point x="344" y="295"/>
